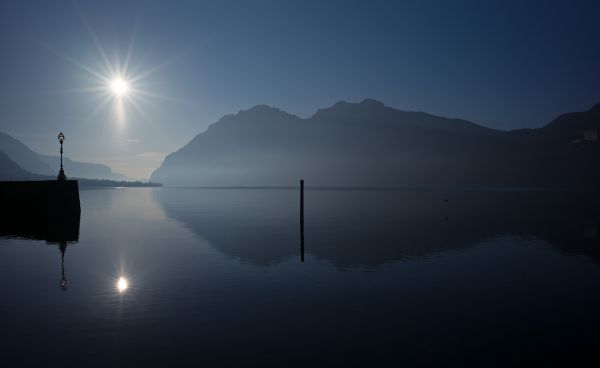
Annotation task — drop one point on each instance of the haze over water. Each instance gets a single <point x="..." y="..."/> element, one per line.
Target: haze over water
<point x="389" y="278"/>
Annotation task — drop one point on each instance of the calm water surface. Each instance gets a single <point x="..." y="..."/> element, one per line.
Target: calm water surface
<point x="215" y="277"/>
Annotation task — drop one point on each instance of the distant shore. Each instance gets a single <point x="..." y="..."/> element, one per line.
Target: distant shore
<point x="100" y="183"/>
<point x="97" y="183"/>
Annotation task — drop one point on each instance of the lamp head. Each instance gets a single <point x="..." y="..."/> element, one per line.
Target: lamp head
<point x="61" y="137"/>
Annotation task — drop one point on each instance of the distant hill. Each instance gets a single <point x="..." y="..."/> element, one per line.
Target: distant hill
<point x="22" y="155"/>
<point x="370" y="144"/>
<point x="9" y="170"/>
<point x="83" y="169"/>
<point x="37" y="163"/>
<point x="100" y="183"/>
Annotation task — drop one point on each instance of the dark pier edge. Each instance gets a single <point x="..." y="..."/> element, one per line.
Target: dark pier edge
<point x="42" y="210"/>
<point x="48" y="210"/>
<point x="45" y="210"/>
<point x="51" y="197"/>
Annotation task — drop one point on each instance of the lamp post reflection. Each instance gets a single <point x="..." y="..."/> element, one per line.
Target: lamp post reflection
<point x="63" y="279"/>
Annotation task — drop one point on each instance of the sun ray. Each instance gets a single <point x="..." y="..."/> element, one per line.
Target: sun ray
<point x="98" y="108"/>
<point x="153" y="95"/>
<point x="158" y="67"/>
<point x="71" y="60"/>
<point x="113" y="80"/>
<point x="79" y="90"/>
<point x="140" y="110"/>
<point x="117" y="63"/>
<point x="129" y="51"/>
<point x="119" y="110"/>
<point x="95" y="39"/>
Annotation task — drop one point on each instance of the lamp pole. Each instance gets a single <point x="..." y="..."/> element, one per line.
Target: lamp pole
<point x="61" y="173"/>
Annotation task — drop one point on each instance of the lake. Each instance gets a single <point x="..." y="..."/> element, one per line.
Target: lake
<point x="219" y="277"/>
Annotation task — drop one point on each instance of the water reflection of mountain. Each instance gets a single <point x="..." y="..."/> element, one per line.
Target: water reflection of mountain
<point x="372" y="227"/>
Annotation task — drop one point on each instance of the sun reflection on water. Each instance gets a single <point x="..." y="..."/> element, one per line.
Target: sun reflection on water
<point x="122" y="285"/>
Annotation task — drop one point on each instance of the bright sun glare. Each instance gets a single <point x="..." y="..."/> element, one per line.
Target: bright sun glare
<point x="116" y="82"/>
<point x="122" y="284"/>
<point x="119" y="87"/>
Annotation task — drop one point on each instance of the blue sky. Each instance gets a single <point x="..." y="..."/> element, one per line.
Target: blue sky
<point x="503" y="64"/>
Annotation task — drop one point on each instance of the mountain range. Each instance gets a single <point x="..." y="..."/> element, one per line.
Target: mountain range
<point x="30" y="164"/>
<point x="11" y="171"/>
<point x="371" y="144"/>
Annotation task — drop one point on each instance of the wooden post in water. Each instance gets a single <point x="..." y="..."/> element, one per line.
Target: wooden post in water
<point x="301" y="220"/>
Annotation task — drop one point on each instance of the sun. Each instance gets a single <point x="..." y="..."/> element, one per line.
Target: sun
<point x="119" y="87"/>
<point x="114" y="83"/>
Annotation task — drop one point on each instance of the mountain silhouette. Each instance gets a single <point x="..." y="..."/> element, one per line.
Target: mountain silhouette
<point x="23" y="156"/>
<point x="34" y="162"/>
<point x="10" y="170"/>
<point x="370" y="144"/>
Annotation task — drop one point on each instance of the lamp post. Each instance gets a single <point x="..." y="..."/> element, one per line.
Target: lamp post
<point x="61" y="173"/>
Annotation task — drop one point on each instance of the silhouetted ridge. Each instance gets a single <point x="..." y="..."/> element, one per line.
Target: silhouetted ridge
<point x="23" y="155"/>
<point x="9" y="170"/>
<point x="36" y="163"/>
<point x="590" y="116"/>
<point x="343" y="109"/>
<point x="370" y="144"/>
<point x="261" y="109"/>
<point x="372" y="102"/>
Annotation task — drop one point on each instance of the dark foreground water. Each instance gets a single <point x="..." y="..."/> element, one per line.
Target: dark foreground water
<point x="390" y="278"/>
